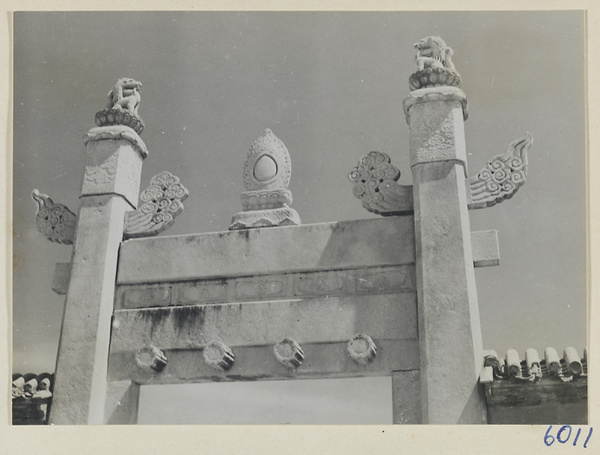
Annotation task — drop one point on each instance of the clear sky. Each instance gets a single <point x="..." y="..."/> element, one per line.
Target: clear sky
<point x="330" y="86"/>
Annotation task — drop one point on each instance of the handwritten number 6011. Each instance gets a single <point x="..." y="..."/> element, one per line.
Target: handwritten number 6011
<point x="564" y="434"/>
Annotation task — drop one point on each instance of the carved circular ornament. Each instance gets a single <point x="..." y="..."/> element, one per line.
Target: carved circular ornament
<point x="150" y="358"/>
<point x="289" y="353"/>
<point x="218" y="355"/>
<point x="267" y="164"/>
<point x="362" y="349"/>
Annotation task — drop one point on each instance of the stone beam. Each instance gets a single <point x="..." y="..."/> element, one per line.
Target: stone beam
<point x="348" y="244"/>
<point x="484" y="243"/>
<point x="323" y="327"/>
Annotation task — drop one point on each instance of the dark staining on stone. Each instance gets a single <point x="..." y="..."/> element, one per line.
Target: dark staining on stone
<point x="156" y="317"/>
<point x="181" y="316"/>
<point x="185" y="314"/>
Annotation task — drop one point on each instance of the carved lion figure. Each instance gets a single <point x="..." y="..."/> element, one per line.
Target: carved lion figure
<point x="432" y="52"/>
<point x="125" y="95"/>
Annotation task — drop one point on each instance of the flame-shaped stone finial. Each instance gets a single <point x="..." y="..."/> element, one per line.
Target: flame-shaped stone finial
<point x="267" y="171"/>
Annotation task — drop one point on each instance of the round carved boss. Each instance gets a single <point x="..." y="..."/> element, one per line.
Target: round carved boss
<point x="362" y="349"/>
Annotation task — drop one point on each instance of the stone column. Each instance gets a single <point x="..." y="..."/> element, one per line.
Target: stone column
<point x="110" y="188"/>
<point x="449" y="327"/>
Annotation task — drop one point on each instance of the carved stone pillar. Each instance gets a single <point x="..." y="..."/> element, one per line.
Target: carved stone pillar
<point x="449" y="327"/>
<point x="110" y="189"/>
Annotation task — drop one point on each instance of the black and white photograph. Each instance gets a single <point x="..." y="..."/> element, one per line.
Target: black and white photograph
<point x="357" y="218"/>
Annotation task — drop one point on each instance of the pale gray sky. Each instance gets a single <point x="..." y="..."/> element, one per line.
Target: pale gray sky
<point x="330" y="86"/>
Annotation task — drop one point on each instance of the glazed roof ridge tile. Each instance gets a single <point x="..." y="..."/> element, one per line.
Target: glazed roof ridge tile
<point x="531" y="369"/>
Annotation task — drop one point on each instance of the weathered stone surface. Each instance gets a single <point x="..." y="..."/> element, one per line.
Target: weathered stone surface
<point x="61" y="278"/>
<point x="284" y="216"/>
<point x="321" y="360"/>
<point x="449" y="327"/>
<point x="349" y="244"/>
<point x="142" y="297"/>
<point x="317" y="320"/>
<point x="266" y="199"/>
<point x="110" y="188"/>
<point x="113" y="163"/>
<point x="406" y="397"/>
<point x="485" y="248"/>
<point x="276" y="286"/>
<point x="122" y="403"/>
<point x="436" y="126"/>
<point x="81" y="364"/>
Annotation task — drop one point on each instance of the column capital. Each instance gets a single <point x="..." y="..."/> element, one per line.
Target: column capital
<point x="431" y="94"/>
<point x="117" y="132"/>
<point x="436" y="119"/>
<point x="114" y="156"/>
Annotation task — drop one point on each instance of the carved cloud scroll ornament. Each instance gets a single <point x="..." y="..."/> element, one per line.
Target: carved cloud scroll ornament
<point x="161" y="203"/>
<point x="501" y="177"/>
<point x="375" y="184"/>
<point x="55" y="221"/>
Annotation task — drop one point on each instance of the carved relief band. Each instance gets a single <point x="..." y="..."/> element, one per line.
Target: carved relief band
<point x="113" y="162"/>
<point x="435" y="116"/>
<point x="377" y="280"/>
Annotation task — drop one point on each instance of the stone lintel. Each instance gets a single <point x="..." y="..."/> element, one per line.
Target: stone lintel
<point x="315" y="320"/>
<point x="323" y="360"/>
<point x="486" y="252"/>
<point x="426" y="95"/>
<point x="276" y="286"/>
<point x="349" y="244"/>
